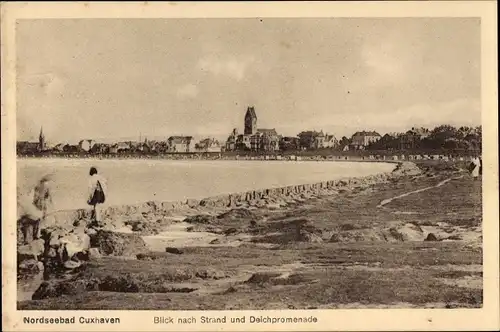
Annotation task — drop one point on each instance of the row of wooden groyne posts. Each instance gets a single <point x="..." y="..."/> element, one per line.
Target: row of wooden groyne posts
<point x="229" y="200"/>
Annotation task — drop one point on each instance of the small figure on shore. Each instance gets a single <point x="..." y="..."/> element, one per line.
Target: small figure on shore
<point x="28" y="218"/>
<point x="33" y="209"/>
<point x="97" y="194"/>
<point x="475" y="167"/>
<point x="42" y="200"/>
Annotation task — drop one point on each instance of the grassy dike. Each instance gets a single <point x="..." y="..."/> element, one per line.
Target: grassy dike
<point x="338" y="250"/>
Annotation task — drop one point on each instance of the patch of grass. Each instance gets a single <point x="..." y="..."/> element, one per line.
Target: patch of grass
<point x="332" y="287"/>
<point x="458" y="274"/>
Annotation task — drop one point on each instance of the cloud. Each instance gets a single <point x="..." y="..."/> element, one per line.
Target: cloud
<point x="48" y="84"/>
<point x="188" y="91"/>
<point x="233" y="67"/>
<point x="385" y="63"/>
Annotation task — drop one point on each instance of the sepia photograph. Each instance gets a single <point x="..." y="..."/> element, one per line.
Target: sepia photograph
<point x="247" y="163"/>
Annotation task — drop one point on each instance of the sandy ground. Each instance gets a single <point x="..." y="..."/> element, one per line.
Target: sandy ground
<point x="362" y="248"/>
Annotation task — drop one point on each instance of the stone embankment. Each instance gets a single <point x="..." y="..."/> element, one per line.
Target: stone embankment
<point x="258" y="198"/>
<point x="68" y="238"/>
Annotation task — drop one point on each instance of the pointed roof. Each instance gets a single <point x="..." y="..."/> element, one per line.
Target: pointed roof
<point x="251" y="112"/>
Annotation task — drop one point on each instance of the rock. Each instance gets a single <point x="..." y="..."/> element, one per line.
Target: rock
<point x="75" y="243"/>
<point x="174" y="250"/>
<point x="90" y="231"/>
<point x="230" y="231"/>
<point x="215" y="241"/>
<point x="407" y="232"/>
<point x="310" y="237"/>
<point x="210" y="273"/>
<point x="34" y="250"/>
<point x="273" y="206"/>
<point x="239" y="213"/>
<point x="260" y="278"/>
<point x="260" y="203"/>
<point x="192" y="203"/>
<point x="406" y="168"/>
<point x="200" y="219"/>
<point x="71" y="265"/>
<point x="431" y="237"/>
<point x="118" y="244"/>
<point x="94" y="253"/>
<point x="29" y="268"/>
<point x="51" y="289"/>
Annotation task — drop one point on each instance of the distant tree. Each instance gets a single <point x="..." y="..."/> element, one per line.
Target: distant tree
<point x="387" y="142"/>
<point x="344" y="141"/>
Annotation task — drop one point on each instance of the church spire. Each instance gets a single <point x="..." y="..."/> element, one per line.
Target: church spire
<point x="41" y="140"/>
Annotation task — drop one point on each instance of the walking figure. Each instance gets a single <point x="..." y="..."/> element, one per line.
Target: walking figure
<point x="97" y="195"/>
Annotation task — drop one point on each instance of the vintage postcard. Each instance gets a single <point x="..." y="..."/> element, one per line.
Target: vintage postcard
<point x="248" y="166"/>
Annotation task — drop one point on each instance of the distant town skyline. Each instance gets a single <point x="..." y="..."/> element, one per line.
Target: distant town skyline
<point x="111" y="79"/>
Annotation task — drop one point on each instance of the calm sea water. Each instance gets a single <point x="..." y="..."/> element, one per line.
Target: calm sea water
<point x="135" y="181"/>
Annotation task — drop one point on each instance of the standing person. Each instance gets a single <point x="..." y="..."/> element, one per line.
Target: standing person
<point x="97" y="194"/>
<point x="42" y="200"/>
<point x="28" y="218"/>
<point x="475" y="166"/>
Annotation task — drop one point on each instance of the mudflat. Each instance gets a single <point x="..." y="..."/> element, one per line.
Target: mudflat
<point x="409" y="241"/>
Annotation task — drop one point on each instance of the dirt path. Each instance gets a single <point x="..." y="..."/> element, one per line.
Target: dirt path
<point x="387" y="201"/>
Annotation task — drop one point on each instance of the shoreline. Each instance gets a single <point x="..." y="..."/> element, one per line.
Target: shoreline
<point x="357" y="156"/>
<point x="392" y="230"/>
<point x="226" y="200"/>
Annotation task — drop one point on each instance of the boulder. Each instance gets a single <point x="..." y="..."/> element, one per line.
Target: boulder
<point x="406" y="168"/>
<point x="75" y="243"/>
<point x="235" y="214"/>
<point x="310" y="237"/>
<point x="431" y="237"/>
<point x="34" y="250"/>
<point x="51" y="289"/>
<point x="29" y="268"/>
<point x="210" y="273"/>
<point x="200" y="219"/>
<point x="407" y="232"/>
<point x="118" y="244"/>
<point x="71" y="265"/>
<point x="172" y="250"/>
<point x="192" y="203"/>
<point x="94" y="253"/>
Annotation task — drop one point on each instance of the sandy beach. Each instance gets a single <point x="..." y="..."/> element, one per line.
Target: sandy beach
<point x="411" y="239"/>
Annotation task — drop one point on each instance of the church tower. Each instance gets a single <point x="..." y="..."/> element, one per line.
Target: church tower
<point x="41" y="141"/>
<point x="250" y="121"/>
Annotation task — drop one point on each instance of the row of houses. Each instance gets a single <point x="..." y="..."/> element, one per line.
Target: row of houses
<point x="174" y="144"/>
<point x="252" y="139"/>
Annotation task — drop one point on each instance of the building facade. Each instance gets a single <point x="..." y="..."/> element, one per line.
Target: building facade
<point x="253" y="138"/>
<point x="208" y="145"/>
<point x="361" y="139"/>
<point x="180" y="144"/>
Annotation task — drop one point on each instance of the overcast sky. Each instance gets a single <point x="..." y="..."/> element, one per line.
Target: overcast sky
<point x="113" y="78"/>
